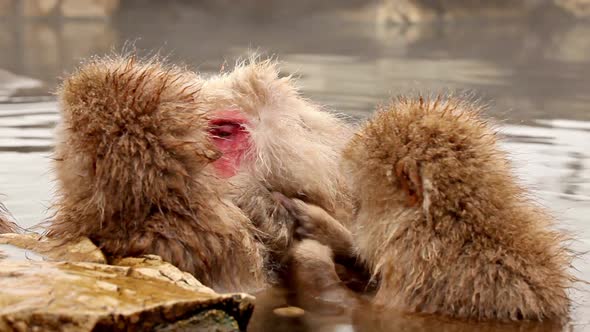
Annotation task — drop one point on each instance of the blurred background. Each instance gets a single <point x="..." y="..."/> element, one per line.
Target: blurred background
<point x="349" y="53"/>
<point x="529" y="60"/>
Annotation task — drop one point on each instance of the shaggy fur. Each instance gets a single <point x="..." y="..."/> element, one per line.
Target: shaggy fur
<point x="295" y="148"/>
<point x="444" y="224"/>
<point x="132" y="160"/>
<point x="6" y="226"/>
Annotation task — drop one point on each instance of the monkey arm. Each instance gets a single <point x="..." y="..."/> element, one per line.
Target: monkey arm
<point x="315" y="223"/>
<point x="273" y="221"/>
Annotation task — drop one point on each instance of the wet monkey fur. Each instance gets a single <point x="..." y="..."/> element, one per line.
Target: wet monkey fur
<point x="272" y="139"/>
<point x="262" y="136"/>
<point x="441" y="221"/>
<point x="133" y="166"/>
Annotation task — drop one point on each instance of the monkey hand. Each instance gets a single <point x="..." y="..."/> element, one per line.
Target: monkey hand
<point x="315" y="223"/>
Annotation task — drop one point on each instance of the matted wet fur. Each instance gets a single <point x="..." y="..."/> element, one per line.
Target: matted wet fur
<point x="440" y="220"/>
<point x="443" y="222"/>
<point x="132" y="170"/>
<point x="296" y="148"/>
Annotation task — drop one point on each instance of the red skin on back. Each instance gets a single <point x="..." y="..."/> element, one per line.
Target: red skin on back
<point x="230" y="136"/>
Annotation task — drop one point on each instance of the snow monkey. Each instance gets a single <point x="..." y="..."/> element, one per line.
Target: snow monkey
<point x="134" y="174"/>
<point x="440" y="219"/>
<point x="272" y="139"/>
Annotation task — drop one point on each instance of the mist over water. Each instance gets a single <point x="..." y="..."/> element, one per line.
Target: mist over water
<point x="534" y="75"/>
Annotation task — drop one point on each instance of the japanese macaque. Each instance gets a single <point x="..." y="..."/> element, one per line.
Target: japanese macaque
<point x="440" y="220"/>
<point x="6" y="226"/>
<point x="274" y="140"/>
<point x="133" y="159"/>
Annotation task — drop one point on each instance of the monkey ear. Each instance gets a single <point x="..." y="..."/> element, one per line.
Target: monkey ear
<point x="408" y="175"/>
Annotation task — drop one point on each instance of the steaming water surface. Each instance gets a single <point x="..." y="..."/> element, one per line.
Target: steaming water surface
<point x="534" y="77"/>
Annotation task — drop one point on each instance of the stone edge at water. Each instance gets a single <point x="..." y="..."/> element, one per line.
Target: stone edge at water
<point x="73" y="290"/>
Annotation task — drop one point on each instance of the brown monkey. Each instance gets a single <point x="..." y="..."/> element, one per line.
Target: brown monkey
<point x="441" y="220"/>
<point x="132" y="164"/>
<point x="274" y="140"/>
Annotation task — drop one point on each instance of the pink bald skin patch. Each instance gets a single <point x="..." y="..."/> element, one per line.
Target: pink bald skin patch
<point x="229" y="134"/>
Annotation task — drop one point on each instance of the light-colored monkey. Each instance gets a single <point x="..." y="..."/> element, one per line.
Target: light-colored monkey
<point x="272" y="139"/>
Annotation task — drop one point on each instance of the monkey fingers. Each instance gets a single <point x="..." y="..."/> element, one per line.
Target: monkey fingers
<point x="313" y="222"/>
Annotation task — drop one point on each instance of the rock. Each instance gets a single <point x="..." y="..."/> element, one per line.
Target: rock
<point x="79" y="296"/>
<point x="577" y="8"/>
<point x="82" y="251"/>
<point x="56" y="286"/>
<point x="150" y="266"/>
<point x="212" y="320"/>
<point x="403" y="11"/>
<point x="11" y="84"/>
<point x="422" y="11"/>
<point x="289" y="312"/>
